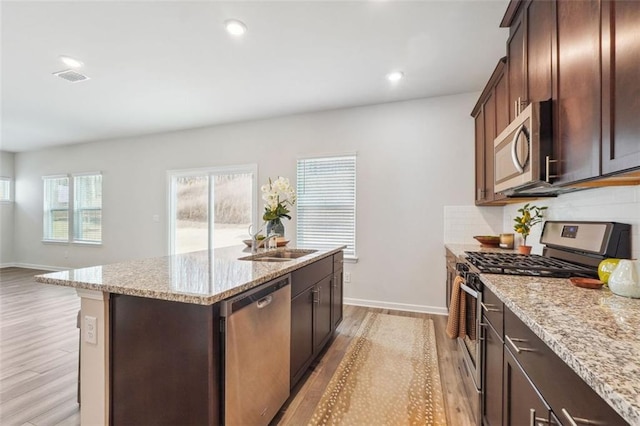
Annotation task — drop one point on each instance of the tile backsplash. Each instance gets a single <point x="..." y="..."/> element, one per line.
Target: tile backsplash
<point x="461" y="223"/>
<point x="615" y="204"/>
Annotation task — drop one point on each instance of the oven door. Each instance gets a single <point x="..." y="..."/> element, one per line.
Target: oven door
<point x="470" y="343"/>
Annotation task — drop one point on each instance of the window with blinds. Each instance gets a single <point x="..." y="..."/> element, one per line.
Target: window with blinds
<point x="5" y="189"/>
<point x="87" y="208"/>
<point x="326" y="206"/>
<point x="56" y="208"/>
<point x="73" y="208"/>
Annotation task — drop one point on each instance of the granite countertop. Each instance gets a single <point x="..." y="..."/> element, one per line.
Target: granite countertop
<point x="203" y="277"/>
<point x="595" y="332"/>
<point x="458" y="249"/>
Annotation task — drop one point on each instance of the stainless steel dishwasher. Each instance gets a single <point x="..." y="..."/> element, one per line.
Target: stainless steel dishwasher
<point x="256" y="347"/>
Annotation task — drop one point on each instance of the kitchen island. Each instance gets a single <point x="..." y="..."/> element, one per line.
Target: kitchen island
<point x="151" y="328"/>
<point x="594" y="332"/>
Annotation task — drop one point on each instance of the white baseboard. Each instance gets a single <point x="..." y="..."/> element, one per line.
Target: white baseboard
<point x="435" y="310"/>
<point x="41" y="267"/>
<point x="7" y="265"/>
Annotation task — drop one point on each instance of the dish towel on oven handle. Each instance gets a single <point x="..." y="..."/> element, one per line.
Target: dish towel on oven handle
<point x="456" y="324"/>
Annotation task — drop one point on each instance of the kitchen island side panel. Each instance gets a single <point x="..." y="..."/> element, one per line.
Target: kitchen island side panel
<point x="164" y="362"/>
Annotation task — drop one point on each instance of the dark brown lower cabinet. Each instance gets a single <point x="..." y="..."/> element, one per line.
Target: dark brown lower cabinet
<point x="552" y="377"/>
<point x="492" y="377"/>
<point x="322" y="327"/>
<point x="336" y="298"/>
<point x="164" y="362"/>
<point x="522" y="404"/>
<point x="301" y="333"/>
<point x="316" y="310"/>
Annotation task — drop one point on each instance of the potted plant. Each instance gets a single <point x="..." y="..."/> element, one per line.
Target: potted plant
<point x="278" y="195"/>
<point x="530" y="216"/>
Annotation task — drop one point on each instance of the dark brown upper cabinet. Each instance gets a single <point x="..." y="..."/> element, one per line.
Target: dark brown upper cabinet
<point x="517" y="63"/>
<point x="530" y="53"/>
<point x="491" y="117"/>
<point x="578" y="100"/>
<point x="620" y="86"/>
<point x="585" y="56"/>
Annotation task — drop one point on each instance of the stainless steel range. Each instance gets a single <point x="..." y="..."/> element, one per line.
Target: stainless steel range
<point x="570" y="249"/>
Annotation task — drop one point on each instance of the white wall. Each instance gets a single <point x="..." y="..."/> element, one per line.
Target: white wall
<point x="617" y="204"/>
<point x="414" y="158"/>
<point x="6" y="213"/>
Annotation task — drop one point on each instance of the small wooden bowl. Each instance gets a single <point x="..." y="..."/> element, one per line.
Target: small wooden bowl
<point x="488" y="240"/>
<point x="586" y="282"/>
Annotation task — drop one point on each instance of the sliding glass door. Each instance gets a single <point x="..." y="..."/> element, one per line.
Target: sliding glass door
<point x="211" y="208"/>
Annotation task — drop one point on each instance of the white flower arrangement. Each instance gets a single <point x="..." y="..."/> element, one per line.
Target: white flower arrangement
<point x="278" y="195"/>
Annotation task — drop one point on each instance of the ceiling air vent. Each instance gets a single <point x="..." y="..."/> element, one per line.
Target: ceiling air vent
<point x="71" y="76"/>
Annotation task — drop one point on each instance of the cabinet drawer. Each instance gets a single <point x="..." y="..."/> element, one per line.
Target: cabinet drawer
<point x="307" y="276"/>
<point x="493" y="310"/>
<point x="559" y="385"/>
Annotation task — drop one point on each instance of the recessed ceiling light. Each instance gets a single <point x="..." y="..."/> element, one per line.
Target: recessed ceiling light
<point x="71" y="62"/>
<point x="235" y="27"/>
<point x="395" y="76"/>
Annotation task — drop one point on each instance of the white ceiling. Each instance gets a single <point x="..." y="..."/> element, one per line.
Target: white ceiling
<point x="162" y="66"/>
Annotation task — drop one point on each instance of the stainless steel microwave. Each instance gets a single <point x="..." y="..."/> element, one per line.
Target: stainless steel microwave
<point x="523" y="152"/>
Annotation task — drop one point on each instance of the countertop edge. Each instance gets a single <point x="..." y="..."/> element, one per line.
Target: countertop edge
<point x="185" y="297"/>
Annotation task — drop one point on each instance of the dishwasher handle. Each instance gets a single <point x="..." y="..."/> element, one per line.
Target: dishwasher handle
<point x="260" y="295"/>
<point x="264" y="302"/>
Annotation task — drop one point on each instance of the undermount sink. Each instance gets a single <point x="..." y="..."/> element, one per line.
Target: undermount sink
<point x="278" y="256"/>
<point x="290" y="254"/>
<point x="268" y="259"/>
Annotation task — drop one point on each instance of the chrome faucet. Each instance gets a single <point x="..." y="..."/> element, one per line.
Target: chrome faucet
<point x="255" y="244"/>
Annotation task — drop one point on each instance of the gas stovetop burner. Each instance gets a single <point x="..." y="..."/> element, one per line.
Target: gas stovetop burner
<point x="531" y="265"/>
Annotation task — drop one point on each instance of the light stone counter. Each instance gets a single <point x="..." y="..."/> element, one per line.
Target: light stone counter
<point x="596" y="332"/>
<point x="203" y="277"/>
<point x="459" y="249"/>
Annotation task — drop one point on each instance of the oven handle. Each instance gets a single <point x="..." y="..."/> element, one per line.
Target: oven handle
<point x="469" y="290"/>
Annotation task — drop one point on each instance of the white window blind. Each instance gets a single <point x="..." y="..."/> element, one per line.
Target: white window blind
<point x="326" y="206"/>
<point x="5" y="189"/>
<point x="73" y="208"/>
<point x="56" y="208"/>
<point x="87" y="208"/>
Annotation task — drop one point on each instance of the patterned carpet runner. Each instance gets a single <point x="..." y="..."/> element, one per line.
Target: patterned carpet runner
<point x="389" y="376"/>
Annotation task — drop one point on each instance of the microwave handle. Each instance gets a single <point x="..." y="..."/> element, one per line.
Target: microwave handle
<point x="514" y="149"/>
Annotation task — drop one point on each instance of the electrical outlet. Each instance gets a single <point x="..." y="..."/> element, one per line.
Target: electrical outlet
<point x="91" y="330"/>
<point x="347" y="277"/>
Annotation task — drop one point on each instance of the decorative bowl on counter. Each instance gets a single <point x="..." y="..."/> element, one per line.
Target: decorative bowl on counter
<point x="586" y="282"/>
<point x="488" y="240"/>
<point x="280" y="241"/>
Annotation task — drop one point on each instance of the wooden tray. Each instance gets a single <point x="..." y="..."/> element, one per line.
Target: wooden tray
<point x="586" y="282"/>
<point x="281" y="243"/>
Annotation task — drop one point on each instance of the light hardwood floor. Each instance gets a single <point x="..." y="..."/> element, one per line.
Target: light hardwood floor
<point x="39" y="357"/>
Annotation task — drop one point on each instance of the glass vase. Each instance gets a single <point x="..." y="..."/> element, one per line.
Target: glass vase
<point x="275" y="226"/>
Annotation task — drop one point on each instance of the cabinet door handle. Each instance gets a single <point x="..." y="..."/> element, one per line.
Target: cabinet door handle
<point x="574" y="421"/>
<point x="488" y="309"/>
<point x="547" y="164"/>
<point x="533" y="420"/>
<point x="316" y="295"/>
<point x="518" y="349"/>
